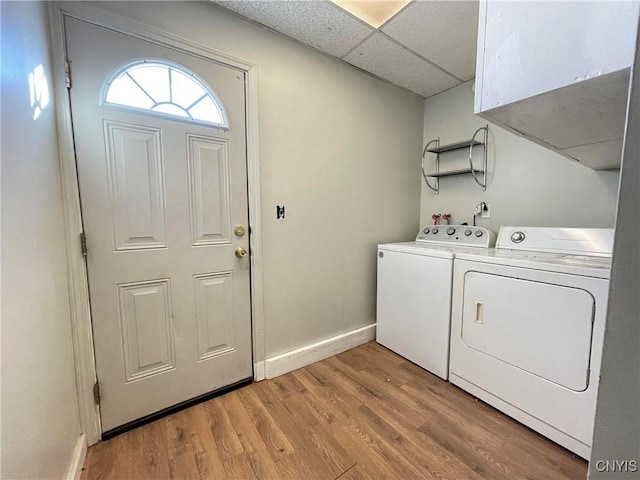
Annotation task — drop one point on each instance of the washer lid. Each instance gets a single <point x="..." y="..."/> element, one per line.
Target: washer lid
<point x="429" y="250"/>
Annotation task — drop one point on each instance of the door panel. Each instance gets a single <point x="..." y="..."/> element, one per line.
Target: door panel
<point x="214" y="311"/>
<point x="136" y="185"/>
<point x="170" y="301"/>
<point x="209" y="189"/>
<point x="147" y="328"/>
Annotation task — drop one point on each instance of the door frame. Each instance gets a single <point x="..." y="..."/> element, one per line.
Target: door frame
<point x="84" y="358"/>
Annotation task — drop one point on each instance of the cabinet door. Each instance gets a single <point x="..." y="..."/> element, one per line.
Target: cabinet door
<point x="557" y="73"/>
<point x="527" y="49"/>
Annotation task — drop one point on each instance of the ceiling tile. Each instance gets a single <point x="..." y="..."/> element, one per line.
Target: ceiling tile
<point x="316" y="23"/>
<point x="386" y="59"/>
<point x="444" y="32"/>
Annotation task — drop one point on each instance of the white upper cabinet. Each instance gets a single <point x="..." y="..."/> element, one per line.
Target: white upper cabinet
<point x="558" y="73"/>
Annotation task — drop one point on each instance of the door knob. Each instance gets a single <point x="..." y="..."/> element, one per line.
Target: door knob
<point x="241" y="252"/>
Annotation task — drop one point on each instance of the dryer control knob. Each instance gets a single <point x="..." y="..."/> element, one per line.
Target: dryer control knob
<point x="434" y="230"/>
<point x="467" y="232"/>
<point x="479" y="233"/>
<point x="517" y="237"/>
<point x="451" y="231"/>
<point x="425" y="231"/>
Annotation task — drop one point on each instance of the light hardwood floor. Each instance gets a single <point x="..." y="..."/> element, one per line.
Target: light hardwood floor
<point x="364" y="414"/>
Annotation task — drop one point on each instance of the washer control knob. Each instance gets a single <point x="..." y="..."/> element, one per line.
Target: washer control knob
<point x="517" y="237"/>
<point x="479" y="233"/>
<point x="467" y="232"/>
<point x="451" y="231"/>
<point x="426" y="230"/>
<point x="434" y="230"/>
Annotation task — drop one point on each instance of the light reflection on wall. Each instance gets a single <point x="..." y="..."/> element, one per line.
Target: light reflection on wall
<point x="39" y="89"/>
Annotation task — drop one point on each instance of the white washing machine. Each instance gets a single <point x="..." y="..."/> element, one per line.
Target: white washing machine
<point x="527" y="326"/>
<point x="414" y="292"/>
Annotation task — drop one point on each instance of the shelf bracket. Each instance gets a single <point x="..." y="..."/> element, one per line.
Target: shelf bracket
<point x="482" y="183"/>
<point x="436" y="186"/>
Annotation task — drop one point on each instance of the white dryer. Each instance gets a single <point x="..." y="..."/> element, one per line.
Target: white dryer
<point x="414" y="292"/>
<point x="528" y="321"/>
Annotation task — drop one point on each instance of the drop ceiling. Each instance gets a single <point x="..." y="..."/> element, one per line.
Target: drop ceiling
<point x="427" y="47"/>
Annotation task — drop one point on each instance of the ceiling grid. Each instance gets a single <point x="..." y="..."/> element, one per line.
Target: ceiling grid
<point x="427" y="47"/>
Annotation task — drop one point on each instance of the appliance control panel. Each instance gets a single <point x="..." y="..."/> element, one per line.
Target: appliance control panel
<point x="579" y="241"/>
<point x="461" y="235"/>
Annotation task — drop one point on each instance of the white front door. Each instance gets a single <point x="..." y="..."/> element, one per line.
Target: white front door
<point x="161" y="196"/>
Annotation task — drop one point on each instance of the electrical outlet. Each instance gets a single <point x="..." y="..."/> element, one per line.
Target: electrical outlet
<point x="486" y="211"/>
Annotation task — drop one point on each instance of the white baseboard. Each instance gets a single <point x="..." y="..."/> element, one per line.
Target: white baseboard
<point x="258" y="371"/>
<point x="301" y="357"/>
<point x="77" y="461"/>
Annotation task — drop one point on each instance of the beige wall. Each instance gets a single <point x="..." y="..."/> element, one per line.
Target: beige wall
<point x="338" y="148"/>
<point x="528" y="184"/>
<point x="40" y="423"/>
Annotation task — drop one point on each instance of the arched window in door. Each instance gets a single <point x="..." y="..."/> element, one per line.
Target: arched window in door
<point x="165" y="90"/>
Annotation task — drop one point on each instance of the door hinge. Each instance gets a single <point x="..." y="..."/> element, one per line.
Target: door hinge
<point x="67" y="74"/>
<point x="83" y="244"/>
<point x="96" y="393"/>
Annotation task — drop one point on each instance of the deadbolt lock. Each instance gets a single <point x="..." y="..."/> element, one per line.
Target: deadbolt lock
<point x="239" y="230"/>
<point x="241" y="252"/>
